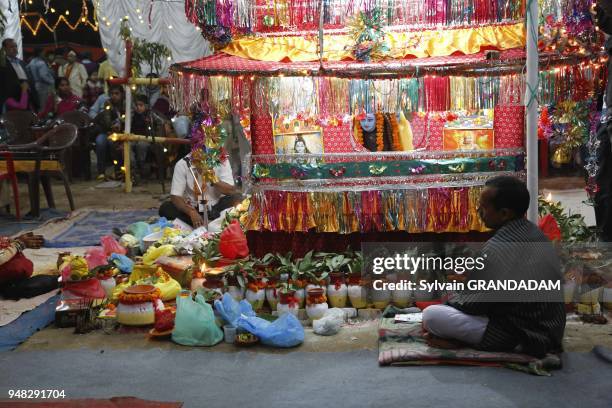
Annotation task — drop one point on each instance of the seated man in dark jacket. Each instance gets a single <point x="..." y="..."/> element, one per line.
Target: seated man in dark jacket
<point x="518" y="250"/>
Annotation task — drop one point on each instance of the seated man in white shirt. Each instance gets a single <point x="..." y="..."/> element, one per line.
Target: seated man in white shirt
<point x="184" y="202"/>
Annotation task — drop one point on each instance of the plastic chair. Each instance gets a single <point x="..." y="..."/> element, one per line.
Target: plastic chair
<point x="18" y="125"/>
<point x="11" y="176"/>
<point x="79" y="160"/>
<point x="51" y="147"/>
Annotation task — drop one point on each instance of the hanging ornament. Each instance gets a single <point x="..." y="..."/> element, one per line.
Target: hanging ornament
<point x="377" y="169"/>
<point x="338" y="172"/>
<point x="268" y="20"/>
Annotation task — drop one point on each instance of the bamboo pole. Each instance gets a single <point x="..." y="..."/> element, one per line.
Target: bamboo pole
<point x="532" y="109"/>
<point x="131" y="137"/>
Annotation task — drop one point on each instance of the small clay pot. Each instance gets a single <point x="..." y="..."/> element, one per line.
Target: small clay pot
<point x="314" y="293"/>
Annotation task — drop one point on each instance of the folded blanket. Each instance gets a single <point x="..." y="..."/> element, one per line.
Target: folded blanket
<point x="403" y="344"/>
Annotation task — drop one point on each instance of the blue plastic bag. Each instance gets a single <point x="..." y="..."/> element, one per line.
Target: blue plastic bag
<point x="230" y="310"/>
<point x="286" y="331"/>
<point x="195" y="323"/>
<point x="122" y="262"/>
<point x="161" y="223"/>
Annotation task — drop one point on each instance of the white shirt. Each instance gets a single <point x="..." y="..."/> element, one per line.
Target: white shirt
<point x="21" y="74"/>
<point x="77" y="79"/>
<point x="183" y="182"/>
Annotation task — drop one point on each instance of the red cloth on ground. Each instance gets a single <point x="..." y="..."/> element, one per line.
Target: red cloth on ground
<point x="18" y="268"/>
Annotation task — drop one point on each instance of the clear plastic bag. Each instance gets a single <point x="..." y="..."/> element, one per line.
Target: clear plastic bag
<point x="230" y="310"/>
<point x="330" y="323"/>
<point x="286" y="331"/>
<point x="194" y="324"/>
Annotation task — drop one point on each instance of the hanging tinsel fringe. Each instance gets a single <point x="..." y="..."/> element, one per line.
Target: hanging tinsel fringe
<point x="275" y="15"/>
<point x="332" y="99"/>
<point x="451" y="209"/>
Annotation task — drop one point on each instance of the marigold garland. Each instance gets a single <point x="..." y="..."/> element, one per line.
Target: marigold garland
<point x="315" y="300"/>
<point x="380" y="131"/>
<point x="132" y="299"/>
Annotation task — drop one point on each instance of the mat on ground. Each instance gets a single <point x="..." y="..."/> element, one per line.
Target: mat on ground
<point x="87" y="230"/>
<point x="403" y="344"/>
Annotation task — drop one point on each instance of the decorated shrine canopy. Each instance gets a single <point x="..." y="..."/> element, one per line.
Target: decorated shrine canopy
<point x="507" y="61"/>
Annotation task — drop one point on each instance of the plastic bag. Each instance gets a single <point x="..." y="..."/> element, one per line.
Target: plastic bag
<point x="128" y="241"/>
<point x="122" y="262"/>
<point x="111" y="246"/>
<point x="88" y="289"/>
<point x="155" y="275"/>
<point x="139" y="230"/>
<point x="96" y="257"/>
<point x="74" y="268"/>
<point x="330" y="323"/>
<point x="233" y="242"/>
<point x="286" y="331"/>
<point x="230" y="310"/>
<point x="161" y="223"/>
<point x="194" y="324"/>
<point x="153" y="253"/>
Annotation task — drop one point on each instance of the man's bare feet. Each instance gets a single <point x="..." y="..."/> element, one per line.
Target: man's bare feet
<point x="438" y="342"/>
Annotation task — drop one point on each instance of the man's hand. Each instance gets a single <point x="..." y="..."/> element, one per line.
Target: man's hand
<point x="196" y="218"/>
<point x="30" y="240"/>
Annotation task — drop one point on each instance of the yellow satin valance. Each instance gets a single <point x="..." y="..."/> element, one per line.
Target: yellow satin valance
<point x="420" y="44"/>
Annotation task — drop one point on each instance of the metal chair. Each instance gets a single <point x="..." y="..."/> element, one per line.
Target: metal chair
<point x="79" y="159"/>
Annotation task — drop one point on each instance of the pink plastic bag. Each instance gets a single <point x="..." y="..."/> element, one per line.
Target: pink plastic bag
<point x="96" y="257"/>
<point x="111" y="246"/>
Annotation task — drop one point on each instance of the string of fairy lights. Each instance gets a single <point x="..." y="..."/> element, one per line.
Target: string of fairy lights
<point x="35" y="21"/>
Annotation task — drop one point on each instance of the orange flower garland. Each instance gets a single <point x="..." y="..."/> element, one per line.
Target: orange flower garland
<point x="132" y="299"/>
<point x="380" y="130"/>
<point x="256" y="286"/>
<point x="395" y="132"/>
<point x="316" y="300"/>
<point x="358" y="132"/>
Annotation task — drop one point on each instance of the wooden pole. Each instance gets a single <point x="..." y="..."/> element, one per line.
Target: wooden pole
<point x="139" y="81"/>
<point x="128" y="117"/>
<point x="126" y="144"/>
<point x="131" y="137"/>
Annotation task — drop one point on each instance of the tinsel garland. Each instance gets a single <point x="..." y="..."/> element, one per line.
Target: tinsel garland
<point x="277" y="15"/>
<point x="336" y="98"/>
<point x="442" y="209"/>
<point x="346" y="170"/>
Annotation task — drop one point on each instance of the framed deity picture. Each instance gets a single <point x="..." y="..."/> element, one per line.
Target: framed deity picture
<point x="298" y="138"/>
<point x="468" y="139"/>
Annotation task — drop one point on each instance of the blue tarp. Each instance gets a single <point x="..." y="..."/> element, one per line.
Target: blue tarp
<point x="20" y="329"/>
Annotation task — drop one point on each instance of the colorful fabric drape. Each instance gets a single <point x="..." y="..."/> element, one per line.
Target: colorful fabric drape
<point x="451" y="209"/>
<point x="428" y="43"/>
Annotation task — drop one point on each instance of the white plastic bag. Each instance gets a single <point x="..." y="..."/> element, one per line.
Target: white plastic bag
<point x="330" y="323"/>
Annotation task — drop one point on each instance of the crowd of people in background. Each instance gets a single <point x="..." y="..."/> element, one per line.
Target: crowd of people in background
<point x="52" y="83"/>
